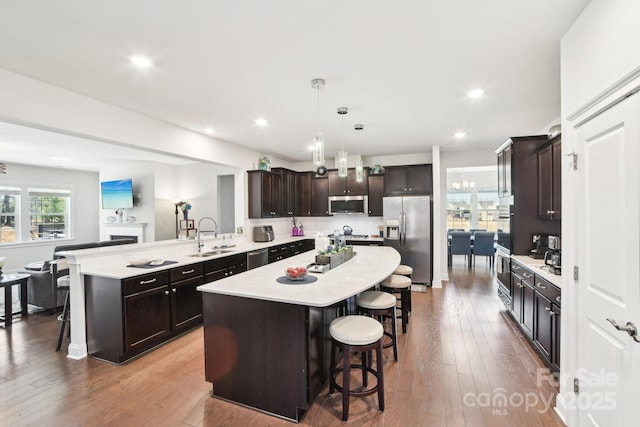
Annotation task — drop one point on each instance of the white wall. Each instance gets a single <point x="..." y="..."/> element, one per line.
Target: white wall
<point x="84" y="209"/>
<point x="601" y="48"/>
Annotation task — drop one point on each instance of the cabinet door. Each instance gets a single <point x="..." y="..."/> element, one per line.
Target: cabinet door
<point x="508" y="152"/>
<point x="545" y="182"/>
<point x="501" y="177"/>
<point x="555" y="337"/>
<point x="419" y="180"/>
<point x="543" y="325"/>
<point x="186" y="303"/>
<point x="304" y="193"/>
<point x="319" y="197"/>
<point x="355" y="188"/>
<point x="557" y="178"/>
<point x="276" y="195"/>
<point x="395" y="180"/>
<point x="147" y="318"/>
<point x="289" y="193"/>
<point x="376" y="189"/>
<point x="516" y="302"/>
<point x="266" y="194"/>
<point x="527" y="303"/>
<point x="337" y="184"/>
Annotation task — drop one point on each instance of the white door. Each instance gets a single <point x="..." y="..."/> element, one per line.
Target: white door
<point x="608" y="242"/>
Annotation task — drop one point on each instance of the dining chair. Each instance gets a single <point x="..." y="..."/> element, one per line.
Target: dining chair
<point x="460" y="245"/>
<point x="483" y="245"/>
<point x="473" y="230"/>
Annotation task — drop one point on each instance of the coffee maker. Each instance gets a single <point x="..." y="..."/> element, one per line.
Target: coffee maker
<point x="553" y="258"/>
<point x="540" y="246"/>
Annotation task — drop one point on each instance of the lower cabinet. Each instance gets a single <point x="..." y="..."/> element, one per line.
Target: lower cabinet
<point x="536" y="308"/>
<point x="128" y="317"/>
<point x="219" y="268"/>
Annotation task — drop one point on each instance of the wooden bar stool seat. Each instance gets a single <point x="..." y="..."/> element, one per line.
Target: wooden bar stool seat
<point x="397" y="283"/>
<point x="359" y="334"/>
<point x="405" y="270"/>
<point x="381" y="305"/>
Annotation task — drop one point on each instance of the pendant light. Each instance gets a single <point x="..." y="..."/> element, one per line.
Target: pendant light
<point x="342" y="155"/>
<point x="318" y="137"/>
<point x="359" y="165"/>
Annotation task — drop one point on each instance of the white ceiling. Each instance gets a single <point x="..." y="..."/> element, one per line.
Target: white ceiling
<point x="402" y="68"/>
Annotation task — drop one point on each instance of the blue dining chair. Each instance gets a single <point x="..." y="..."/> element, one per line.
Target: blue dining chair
<point x="483" y="245"/>
<point x="460" y="245"/>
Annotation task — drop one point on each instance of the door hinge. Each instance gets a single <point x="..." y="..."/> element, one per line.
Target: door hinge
<point x="576" y="385"/>
<point x="575" y="273"/>
<point x="574" y="160"/>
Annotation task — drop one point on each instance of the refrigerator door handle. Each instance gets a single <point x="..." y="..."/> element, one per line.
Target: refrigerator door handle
<point x="403" y="229"/>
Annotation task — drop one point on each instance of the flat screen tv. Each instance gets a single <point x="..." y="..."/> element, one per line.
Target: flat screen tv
<point x="117" y="194"/>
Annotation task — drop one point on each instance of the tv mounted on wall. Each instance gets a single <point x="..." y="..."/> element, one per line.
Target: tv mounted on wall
<point x="117" y="194"/>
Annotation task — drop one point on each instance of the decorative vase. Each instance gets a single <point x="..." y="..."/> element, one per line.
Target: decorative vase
<point x="294" y="231"/>
<point x="185" y="215"/>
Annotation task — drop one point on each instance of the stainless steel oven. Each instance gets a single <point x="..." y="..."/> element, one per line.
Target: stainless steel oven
<point x="503" y="274"/>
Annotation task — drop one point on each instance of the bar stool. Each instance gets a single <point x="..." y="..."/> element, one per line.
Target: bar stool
<point x="405" y="270"/>
<point x="63" y="283"/>
<point x="356" y="334"/>
<point x="399" y="284"/>
<point x="380" y="305"/>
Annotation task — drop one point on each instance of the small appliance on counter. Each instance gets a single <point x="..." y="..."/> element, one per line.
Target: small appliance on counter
<point x="348" y="231"/>
<point x="553" y="257"/>
<point x="263" y="233"/>
<point x="540" y="246"/>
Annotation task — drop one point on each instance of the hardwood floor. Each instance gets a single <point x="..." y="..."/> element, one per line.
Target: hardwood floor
<point x="460" y="356"/>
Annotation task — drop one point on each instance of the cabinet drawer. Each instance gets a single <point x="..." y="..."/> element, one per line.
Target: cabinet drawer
<point x="145" y="282"/>
<point x="218" y="264"/>
<point x="522" y="272"/>
<point x="549" y="290"/>
<point x="186" y="272"/>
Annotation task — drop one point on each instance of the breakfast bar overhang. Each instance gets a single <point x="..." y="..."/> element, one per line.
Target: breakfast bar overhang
<point x="267" y="343"/>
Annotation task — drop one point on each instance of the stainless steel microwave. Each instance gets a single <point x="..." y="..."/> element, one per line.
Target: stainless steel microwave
<point x="349" y="205"/>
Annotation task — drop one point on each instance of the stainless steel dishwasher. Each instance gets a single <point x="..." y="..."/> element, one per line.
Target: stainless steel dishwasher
<point x="257" y="258"/>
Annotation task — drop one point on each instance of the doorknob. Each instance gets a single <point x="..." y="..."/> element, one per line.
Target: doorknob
<point x="629" y="328"/>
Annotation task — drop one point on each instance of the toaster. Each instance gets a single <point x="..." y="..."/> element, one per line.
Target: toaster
<point x="263" y="233"/>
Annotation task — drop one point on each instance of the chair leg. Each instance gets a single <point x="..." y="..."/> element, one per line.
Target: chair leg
<point x="405" y="309"/>
<point x="380" y="377"/>
<point x="394" y="332"/>
<point x="346" y="383"/>
<point x="65" y="320"/>
<point x="366" y="361"/>
<point x="332" y="368"/>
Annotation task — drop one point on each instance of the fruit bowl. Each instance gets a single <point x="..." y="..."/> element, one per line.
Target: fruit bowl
<point x="296" y="273"/>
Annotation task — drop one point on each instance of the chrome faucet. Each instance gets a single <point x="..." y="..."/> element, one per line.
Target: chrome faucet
<point x="214" y="231"/>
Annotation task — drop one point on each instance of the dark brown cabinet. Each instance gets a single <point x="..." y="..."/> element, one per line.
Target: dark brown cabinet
<point x="147" y="320"/>
<point x="265" y="194"/>
<point x="280" y="252"/>
<point x="550" y="180"/>
<point x="219" y="268"/>
<point x="536" y="308"/>
<point x="504" y="172"/>
<point x="289" y="192"/>
<point x="303" y="186"/>
<point x="408" y="180"/>
<point x="376" y="193"/>
<point x="347" y="186"/>
<point x="319" y="196"/>
<point x="186" y="301"/>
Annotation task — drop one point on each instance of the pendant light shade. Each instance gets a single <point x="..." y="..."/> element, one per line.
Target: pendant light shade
<point x="318" y="137"/>
<point x="342" y="163"/>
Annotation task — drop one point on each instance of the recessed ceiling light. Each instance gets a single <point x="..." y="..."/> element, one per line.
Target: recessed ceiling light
<point x="210" y="131"/>
<point x="261" y="122"/>
<point x="141" y="61"/>
<point x="475" y="93"/>
<point x="460" y="134"/>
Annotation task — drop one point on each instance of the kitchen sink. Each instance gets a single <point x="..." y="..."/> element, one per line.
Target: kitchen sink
<point x="212" y="253"/>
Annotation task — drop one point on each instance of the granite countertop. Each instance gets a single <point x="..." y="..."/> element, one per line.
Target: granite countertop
<point x="537" y="266"/>
<point x="369" y="266"/>
<point x="112" y="261"/>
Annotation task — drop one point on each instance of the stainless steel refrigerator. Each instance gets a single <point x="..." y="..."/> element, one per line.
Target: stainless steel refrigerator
<point x="407" y="228"/>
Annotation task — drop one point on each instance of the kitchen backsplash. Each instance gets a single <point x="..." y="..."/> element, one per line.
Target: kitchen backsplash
<point x="282" y="226"/>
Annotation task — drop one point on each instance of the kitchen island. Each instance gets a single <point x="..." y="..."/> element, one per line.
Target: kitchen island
<point x="267" y="343"/>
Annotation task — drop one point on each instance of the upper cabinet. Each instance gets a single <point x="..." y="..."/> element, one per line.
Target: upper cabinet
<point x="265" y="194"/>
<point x="376" y="193"/>
<point x="347" y="186"/>
<point x="408" y="180"/>
<point x="320" y="196"/>
<point x="289" y="192"/>
<point x="303" y="185"/>
<point x="504" y="172"/>
<point x="550" y="180"/>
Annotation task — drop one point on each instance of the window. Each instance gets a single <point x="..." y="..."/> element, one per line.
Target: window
<point x="48" y="210"/>
<point x="9" y="211"/>
<point x="472" y="198"/>
<point x="31" y="214"/>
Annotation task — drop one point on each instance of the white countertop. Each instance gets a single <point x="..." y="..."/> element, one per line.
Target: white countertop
<point x="111" y="261"/>
<point x="369" y="266"/>
<point x="537" y="266"/>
